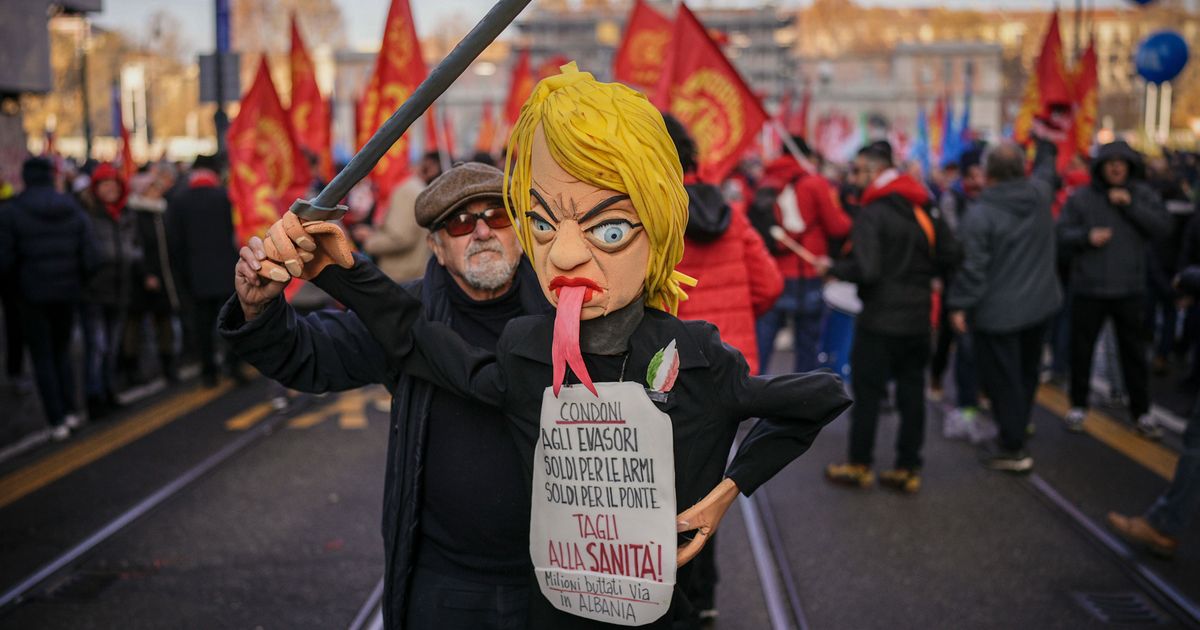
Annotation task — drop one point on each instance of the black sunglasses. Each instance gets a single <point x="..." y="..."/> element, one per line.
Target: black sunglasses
<point x="463" y="223"/>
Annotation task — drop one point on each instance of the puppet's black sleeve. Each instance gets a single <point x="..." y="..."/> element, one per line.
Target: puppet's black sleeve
<point x="792" y="409"/>
<point x="414" y="346"/>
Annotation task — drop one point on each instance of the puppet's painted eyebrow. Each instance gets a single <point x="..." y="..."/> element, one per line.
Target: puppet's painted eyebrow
<point x="544" y="204"/>
<point x="602" y="206"/>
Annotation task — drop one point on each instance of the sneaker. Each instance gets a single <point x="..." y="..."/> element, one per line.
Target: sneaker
<point x="1074" y="419"/>
<point x="903" y="479"/>
<point x="1138" y="531"/>
<point x="73" y="421"/>
<point x="709" y="614"/>
<point x="1009" y="461"/>
<point x="850" y="474"/>
<point x="60" y="433"/>
<point x="979" y="429"/>
<point x="1148" y="427"/>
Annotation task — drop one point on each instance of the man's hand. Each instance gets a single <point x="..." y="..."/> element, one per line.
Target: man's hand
<point x="1119" y="196"/>
<point x="1099" y="237"/>
<point x="703" y="518"/>
<point x="255" y="291"/>
<point x="303" y="249"/>
<point x="958" y="321"/>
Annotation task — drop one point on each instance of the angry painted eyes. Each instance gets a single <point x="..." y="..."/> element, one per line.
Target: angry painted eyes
<point x="611" y="235"/>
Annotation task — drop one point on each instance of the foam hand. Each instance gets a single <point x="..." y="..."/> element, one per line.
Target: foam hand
<point x="303" y="250"/>
<point x="703" y="518"/>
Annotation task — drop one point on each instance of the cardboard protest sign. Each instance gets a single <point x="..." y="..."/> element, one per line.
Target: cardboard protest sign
<point x="602" y="535"/>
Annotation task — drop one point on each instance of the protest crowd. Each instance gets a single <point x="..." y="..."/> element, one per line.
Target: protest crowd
<point x="962" y="279"/>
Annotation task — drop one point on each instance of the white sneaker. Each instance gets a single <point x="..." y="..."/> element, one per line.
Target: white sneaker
<point x="1074" y="419"/>
<point x="73" y="421"/>
<point x="979" y="428"/>
<point x="954" y="424"/>
<point x="1148" y="427"/>
<point x="60" y="433"/>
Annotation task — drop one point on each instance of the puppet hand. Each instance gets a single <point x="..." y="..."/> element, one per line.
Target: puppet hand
<point x="304" y="249"/>
<point x="704" y="517"/>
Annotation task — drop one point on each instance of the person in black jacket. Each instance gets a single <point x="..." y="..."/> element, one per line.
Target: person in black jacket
<point x="46" y="242"/>
<point x="475" y="282"/>
<point x="202" y="247"/>
<point x="899" y="245"/>
<point x="1007" y="289"/>
<point x="157" y="297"/>
<point x="1105" y="229"/>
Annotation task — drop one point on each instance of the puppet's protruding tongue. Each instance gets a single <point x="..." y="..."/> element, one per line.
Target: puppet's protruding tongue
<point x="565" y="349"/>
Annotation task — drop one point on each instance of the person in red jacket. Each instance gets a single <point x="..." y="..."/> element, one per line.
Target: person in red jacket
<point x="738" y="279"/>
<point x="808" y="209"/>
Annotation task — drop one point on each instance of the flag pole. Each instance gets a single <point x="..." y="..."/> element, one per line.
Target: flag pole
<point x="325" y="205"/>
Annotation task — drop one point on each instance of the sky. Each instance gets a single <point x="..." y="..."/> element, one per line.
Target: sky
<point x="364" y="18"/>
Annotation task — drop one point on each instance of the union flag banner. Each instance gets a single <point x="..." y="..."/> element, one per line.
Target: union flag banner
<point x="309" y="112"/>
<point x="1048" y="86"/>
<point x="519" y="88"/>
<point x="703" y="90"/>
<point x="1087" y="93"/>
<point x="399" y="69"/>
<point x="639" y="58"/>
<point x="487" y="130"/>
<point x="267" y="170"/>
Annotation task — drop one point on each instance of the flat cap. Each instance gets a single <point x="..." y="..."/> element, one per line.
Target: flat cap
<point x="460" y="185"/>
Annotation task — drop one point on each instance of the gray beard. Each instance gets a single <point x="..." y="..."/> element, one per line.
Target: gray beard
<point x="487" y="275"/>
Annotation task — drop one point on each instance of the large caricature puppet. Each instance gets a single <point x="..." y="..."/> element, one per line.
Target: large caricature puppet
<point x="620" y="410"/>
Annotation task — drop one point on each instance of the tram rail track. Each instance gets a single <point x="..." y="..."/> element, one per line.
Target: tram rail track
<point x="31" y="584"/>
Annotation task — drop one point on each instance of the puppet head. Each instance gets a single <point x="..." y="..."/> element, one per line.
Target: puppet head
<point x="595" y="190"/>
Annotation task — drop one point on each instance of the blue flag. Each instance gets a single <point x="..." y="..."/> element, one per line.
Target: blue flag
<point x="920" y="149"/>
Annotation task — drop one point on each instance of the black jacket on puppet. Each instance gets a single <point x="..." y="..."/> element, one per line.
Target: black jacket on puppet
<point x="1118" y="268"/>
<point x="1008" y="280"/>
<point x="202" y="242"/>
<point x="333" y="351"/>
<point x="893" y="259"/>
<point x="712" y="394"/>
<point x="46" y="240"/>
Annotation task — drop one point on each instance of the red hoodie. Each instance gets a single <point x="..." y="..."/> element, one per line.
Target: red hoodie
<point x="106" y="171"/>
<point x="820" y="210"/>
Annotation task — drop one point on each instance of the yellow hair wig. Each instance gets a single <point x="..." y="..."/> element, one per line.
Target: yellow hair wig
<point x="609" y="136"/>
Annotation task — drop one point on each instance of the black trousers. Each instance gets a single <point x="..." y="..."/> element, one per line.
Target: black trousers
<point x="441" y="602"/>
<point x="1008" y="370"/>
<point x="874" y="360"/>
<point x="204" y="323"/>
<point x="48" y="332"/>
<point x="1087" y="319"/>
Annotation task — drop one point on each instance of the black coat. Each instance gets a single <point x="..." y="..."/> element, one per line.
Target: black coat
<point x="893" y="264"/>
<point x="202" y="242"/>
<point x="1118" y="269"/>
<point x="119" y="273"/>
<point x="1008" y="280"/>
<point x="713" y="394"/>
<point x="333" y="351"/>
<point x="152" y="230"/>
<point x="46" y="239"/>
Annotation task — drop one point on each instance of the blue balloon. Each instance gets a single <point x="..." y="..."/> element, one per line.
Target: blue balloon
<point x="1161" y="57"/>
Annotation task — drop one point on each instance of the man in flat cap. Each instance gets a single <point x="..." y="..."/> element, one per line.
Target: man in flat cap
<point x="451" y="462"/>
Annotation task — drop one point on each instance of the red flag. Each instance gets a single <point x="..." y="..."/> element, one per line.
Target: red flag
<point x="309" y="112"/>
<point x="1087" y="87"/>
<point x="128" y="166"/>
<point x="399" y="69"/>
<point x="1048" y="87"/>
<point x="704" y="91"/>
<point x="639" y="58"/>
<point x="267" y="169"/>
<point x="519" y="88"/>
<point x="487" y="130"/>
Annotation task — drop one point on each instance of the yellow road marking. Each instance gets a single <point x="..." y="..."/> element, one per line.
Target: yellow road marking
<point x="249" y="417"/>
<point x="351" y="410"/>
<point x="1153" y="456"/>
<point x="311" y="418"/>
<point x="21" y="482"/>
